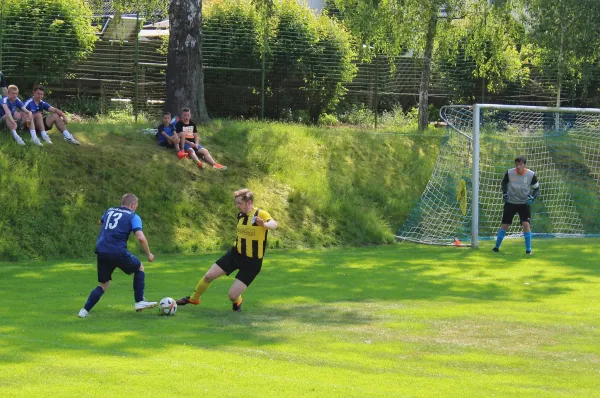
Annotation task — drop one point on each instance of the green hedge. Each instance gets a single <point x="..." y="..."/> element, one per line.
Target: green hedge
<point x="42" y="38"/>
<point x="308" y="60"/>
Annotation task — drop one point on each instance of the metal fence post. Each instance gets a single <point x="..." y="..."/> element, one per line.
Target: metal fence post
<point x="137" y="62"/>
<point x="1" y="30"/>
<point x="262" y="88"/>
<point x="376" y="102"/>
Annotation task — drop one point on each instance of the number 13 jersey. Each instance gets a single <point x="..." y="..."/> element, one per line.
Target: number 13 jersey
<point x="117" y="224"/>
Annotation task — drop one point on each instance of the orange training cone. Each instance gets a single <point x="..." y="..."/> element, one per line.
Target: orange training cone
<point x="457" y="242"/>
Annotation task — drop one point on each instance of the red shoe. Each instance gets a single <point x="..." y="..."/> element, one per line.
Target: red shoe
<point x="182" y="154"/>
<point x="201" y="165"/>
<point x="219" y="166"/>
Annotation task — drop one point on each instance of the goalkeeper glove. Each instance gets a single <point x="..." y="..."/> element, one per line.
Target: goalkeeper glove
<point x="505" y="197"/>
<point x="530" y="200"/>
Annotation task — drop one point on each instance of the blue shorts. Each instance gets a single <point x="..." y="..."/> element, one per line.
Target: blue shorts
<point x="186" y="146"/>
<point x="106" y="264"/>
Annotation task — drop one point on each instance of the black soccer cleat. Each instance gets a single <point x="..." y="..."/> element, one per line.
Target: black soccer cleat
<point x="495" y="250"/>
<point x="237" y="307"/>
<point x="187" y="300"/>
<point x="528" y="252"/>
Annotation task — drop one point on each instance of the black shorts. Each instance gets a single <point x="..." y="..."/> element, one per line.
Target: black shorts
<point x="510" y="209"/>
<point x="46" y="127"/>
<point x="248" y="268"/>
<point x="106" y="264"/>
<point x="166" y="144"/>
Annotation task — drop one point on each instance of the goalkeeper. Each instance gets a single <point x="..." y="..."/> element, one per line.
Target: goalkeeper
<point x="520" y="188"/>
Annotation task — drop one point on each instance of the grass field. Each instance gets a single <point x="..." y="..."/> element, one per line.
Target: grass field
<point x="396" y="320"/>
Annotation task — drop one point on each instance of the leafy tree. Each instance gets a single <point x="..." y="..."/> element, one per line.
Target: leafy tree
<point x="486" y="44"/>
<point x="566" y="37"/>
<point x="42" y="38"/>
<point x="392" y="27"/>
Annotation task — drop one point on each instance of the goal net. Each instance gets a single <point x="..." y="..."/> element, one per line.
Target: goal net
<point x="463" y="199"/>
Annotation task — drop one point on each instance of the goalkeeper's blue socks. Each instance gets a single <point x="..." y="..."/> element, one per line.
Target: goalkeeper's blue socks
<point x="94" y="297"/>
<point x="527" y="236"/>
<point x="139" y="284"/>
<point x="499" y="237"/>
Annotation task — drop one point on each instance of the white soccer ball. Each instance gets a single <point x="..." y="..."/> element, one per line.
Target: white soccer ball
<point x="167" y="306"/>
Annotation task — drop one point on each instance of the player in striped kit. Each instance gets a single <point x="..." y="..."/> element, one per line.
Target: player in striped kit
<point x="246" y="255"/>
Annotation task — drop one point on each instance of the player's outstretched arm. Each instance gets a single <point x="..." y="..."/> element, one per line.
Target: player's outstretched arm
<point x="144" y="244"/>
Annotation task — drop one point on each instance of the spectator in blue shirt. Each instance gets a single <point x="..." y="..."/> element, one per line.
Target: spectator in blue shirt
<point x="8" y="106"/>
<point x="42" y="124"/>
<point x="166" y="133"/>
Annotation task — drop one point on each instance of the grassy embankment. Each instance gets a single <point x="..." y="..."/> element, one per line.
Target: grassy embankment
<point x="326" y="187"/>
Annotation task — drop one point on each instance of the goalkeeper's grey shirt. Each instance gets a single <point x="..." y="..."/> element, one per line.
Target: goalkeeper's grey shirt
<point x="519" y="187"/>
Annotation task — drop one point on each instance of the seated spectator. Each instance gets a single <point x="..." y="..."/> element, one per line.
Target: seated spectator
<point x="8" y="106"/>
<point x="3" y="85"/>
<point x="42" y="124"/>
<point x="188" y="135"/>
<point x="166" y="133"/>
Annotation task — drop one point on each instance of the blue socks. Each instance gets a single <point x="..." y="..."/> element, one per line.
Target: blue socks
<point x="138" y="289"/>
<point x="139" y="285"/>
<point x="499" y="237"/>
<point x="94" y="297"/>
<point x="527" y="236"/>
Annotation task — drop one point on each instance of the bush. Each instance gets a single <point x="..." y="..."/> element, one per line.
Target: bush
<point x="231" y="41"/>
<point x="309" y="55"/>
<point x="398" y="118"/>
<point x="82" y="105"/>
<point x="358" y="115"/>
<point x="42" y="38"/>
<point x="327" y="119"/>
<point x="306" y="54"/>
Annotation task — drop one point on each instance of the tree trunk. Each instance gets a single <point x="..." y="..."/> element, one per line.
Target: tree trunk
<point x="185" y="76"/>
<point x="426" y="75"/>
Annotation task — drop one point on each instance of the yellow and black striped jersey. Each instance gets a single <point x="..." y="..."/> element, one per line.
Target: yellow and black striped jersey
<point x="251" y="239"/>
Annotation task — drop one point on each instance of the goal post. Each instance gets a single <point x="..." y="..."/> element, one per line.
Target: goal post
<point x="463" y="198"/>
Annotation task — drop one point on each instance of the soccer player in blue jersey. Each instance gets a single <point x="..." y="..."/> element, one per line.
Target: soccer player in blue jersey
<point x="520" y="188"/>
<point x="166" y="133"/>
<point x="42" y="124"/>
<point x="8" y="106"/>
<point x="111" y="250"/>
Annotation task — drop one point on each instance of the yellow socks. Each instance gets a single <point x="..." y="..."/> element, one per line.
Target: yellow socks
<point x="200" y="289"/>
